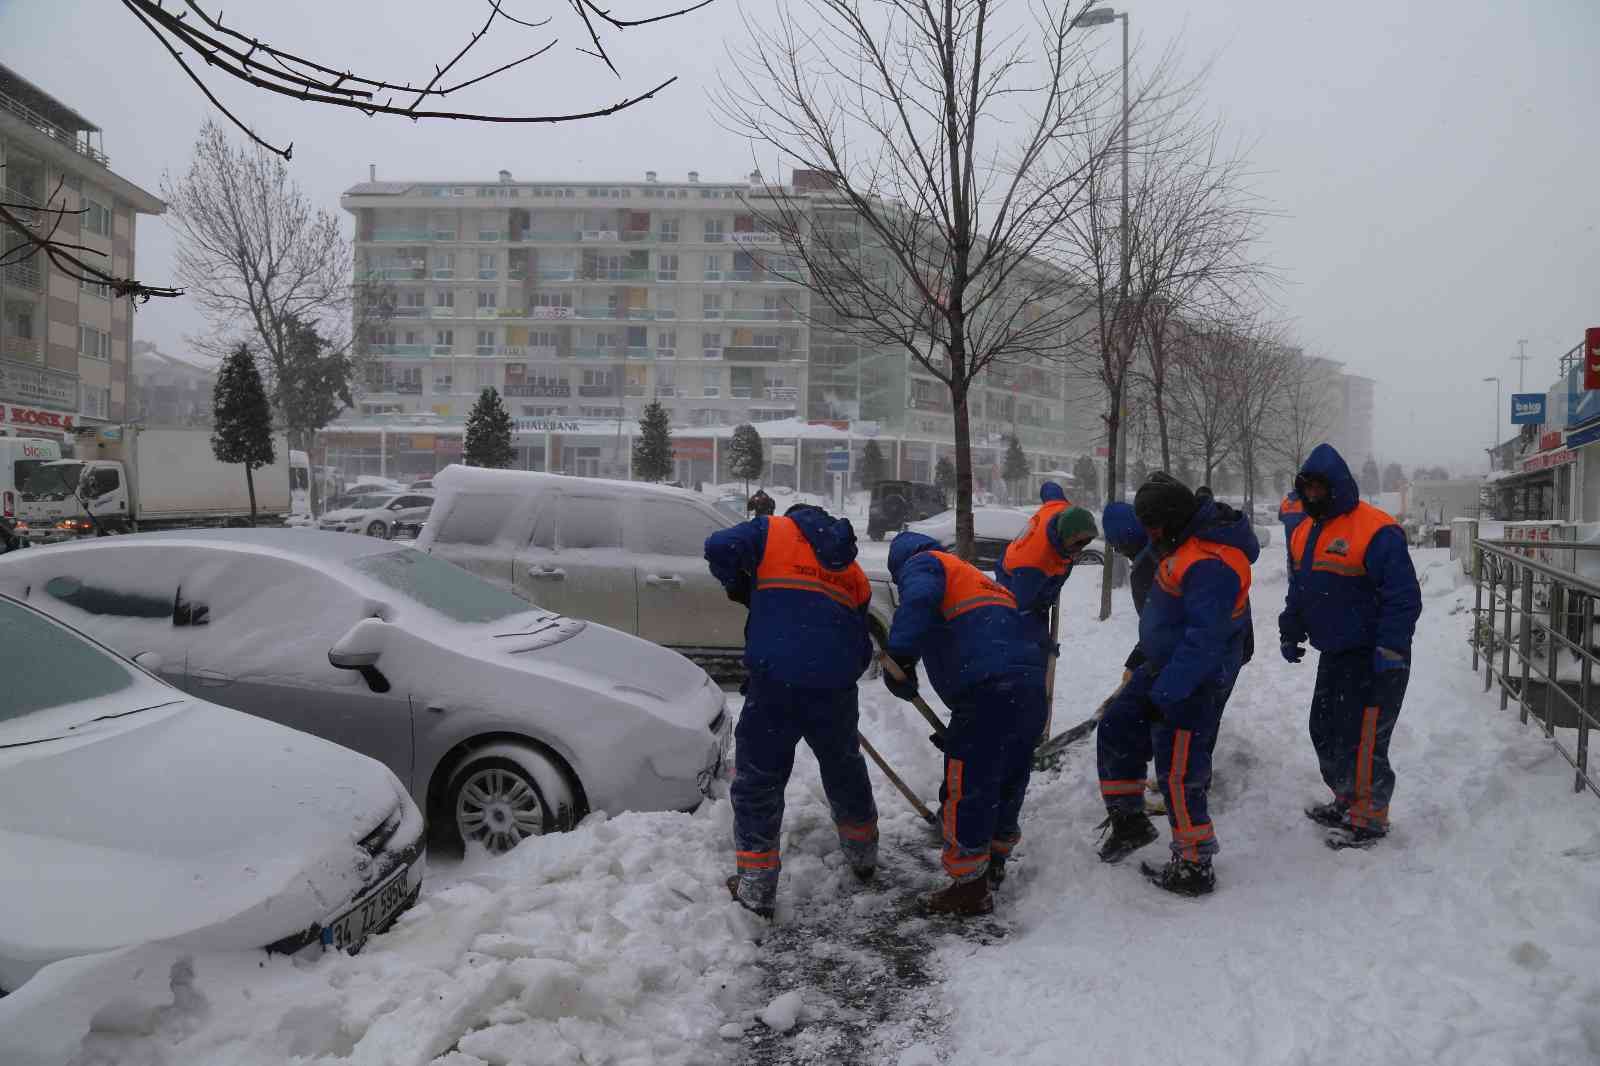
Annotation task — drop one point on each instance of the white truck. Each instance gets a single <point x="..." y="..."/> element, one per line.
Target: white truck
<point x="127" y="478"/>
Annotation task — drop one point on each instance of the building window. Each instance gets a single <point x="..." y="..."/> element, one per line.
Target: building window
<point x="487" y="267"/>
<point x="94" y="401"/>
<point x="713" y="231"/>
<point x="487" y="299"/>
<point x="605" y="340"/>
<point x="597" y="378"/>
<point x="711" y="305"/>
<point x="441" y="382"/>
<point x="444" y="265"/>
<point x="667" y="268"/>
<point x="711" y="346"/>
<point x="711" y="381"/>
<point x="542" y="339"/>
<point x="486" y="342"/>
<point x="600" y="412"/>
<point x="668" y="233"/>
<point x="444" y="298"/>
<point x="666" y="343"/>
<point x="96" y="217"/>
<point x="95" y="288"/>
<point x="534" y="411"/>
<point x="94" y="343"/>
<point x="444" y="341"/>
<point x="713" y="268"/>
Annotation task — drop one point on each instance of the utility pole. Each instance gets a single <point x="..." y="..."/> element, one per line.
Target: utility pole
<point x="1521" y="358"/>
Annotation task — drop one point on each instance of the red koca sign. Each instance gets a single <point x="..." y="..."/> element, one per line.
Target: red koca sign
<point x="29" y="416"/>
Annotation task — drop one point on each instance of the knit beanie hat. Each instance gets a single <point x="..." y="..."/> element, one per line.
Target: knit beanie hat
<point x="1073" y="523"/>
<point x="1164" y="504"/>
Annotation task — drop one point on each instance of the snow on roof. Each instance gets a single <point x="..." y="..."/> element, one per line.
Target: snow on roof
<point x="457" y="478"/>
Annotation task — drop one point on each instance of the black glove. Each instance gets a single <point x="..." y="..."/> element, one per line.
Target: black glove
<point x="937" y="740"/>
<point x="907" y="689"/>
<point x="739" y="590"/>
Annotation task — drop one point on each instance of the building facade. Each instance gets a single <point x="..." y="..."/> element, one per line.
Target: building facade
<point x="165" y="390"/>
<point x="64" y="344"/>
<point x="582" y="302"/>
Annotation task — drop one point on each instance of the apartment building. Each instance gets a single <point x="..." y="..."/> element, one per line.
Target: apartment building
<point x="581" y="302"/>
<point x="64" y="344"/>
<point x="169" y="390"/>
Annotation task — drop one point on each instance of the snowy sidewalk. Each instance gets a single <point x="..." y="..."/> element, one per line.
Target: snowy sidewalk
<point x="1471" y="936"/>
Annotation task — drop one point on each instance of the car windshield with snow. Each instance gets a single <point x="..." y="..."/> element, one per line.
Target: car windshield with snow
<point x="179" y="804"/>
<point x="503" y="719"/>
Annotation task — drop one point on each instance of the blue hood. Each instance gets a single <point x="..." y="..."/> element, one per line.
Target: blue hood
<point x="833" y="539"/>
<point x="907" y="544"/>
<point x="1051" y="491"/>
<point x="1325" y="462"/>
<point x="1122" y="529"/>
<point x="1221" y="524"/>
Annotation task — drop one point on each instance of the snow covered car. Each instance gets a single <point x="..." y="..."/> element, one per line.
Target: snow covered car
<point x="624" y="553"/>
<point x="503" y="720"/>
<point x="131" y="813"/>
<point x="993" y="528"/>
<point x="378" y="514"/>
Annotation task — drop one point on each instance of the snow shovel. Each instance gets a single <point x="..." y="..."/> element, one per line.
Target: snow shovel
<point x="1047" y="756"/>
<point x="1050" y="673"/>
<point x="894" y="779"/>
<point x="892" y="668"/>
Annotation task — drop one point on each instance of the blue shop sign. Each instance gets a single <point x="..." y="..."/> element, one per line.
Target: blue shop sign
<point x="1583" y="436"/>
<point x="1583" y="405"/>
<point x="1527" y="408"/>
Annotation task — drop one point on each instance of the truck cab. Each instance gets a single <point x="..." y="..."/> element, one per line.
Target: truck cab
<point x="72" y="497"/>
<point x="19" y="458"/>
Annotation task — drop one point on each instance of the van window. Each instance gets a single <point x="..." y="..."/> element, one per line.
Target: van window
<point x="665" y="527"/>
<point x="589" y="522"/>
<point x="477" y="518"/>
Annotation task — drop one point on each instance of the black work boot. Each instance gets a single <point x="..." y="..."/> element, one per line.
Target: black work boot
<point x="962" y="899"/>
<point x="1349" y="835"/>
<point x="1332" y="814"/>
<point x="997" y="872"/>
<point x="1182" y="877"/>
<point x="756" y="898"/>
<point x="1123" y="833"/>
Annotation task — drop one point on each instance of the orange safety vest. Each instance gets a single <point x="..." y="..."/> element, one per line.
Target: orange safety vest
<point x="1170" y="574"/>
<point x="966" y="588"/>
<point x="1289" y="507"/>
<point x="789" y="563"/>
<point x="1342" y="547"/>
<point x="1033" y="547"/>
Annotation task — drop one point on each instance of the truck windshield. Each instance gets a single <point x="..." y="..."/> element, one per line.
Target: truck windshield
<point x="48" y="482"/>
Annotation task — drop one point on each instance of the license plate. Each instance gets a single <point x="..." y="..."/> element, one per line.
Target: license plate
<point x="351" y="929"/>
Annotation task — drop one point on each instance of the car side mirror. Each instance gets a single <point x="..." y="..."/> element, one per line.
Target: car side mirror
<point x="151" y="661"/>
<point x="360" y="646"/>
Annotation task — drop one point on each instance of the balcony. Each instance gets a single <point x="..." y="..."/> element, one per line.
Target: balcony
<point x="789" y="393"/>
<point x="24" y="275"/>
<point x="594" y="353"/>
<point x="486" y="236"/>
<point x="412" y="351"/>
<point x="484" y="349"/>
<point x="43" y="125"/>
<point x="666" y="391"/>
<point x="22" y="349"/>
<point x="488" y="275"/>
<point x="488" y="312"/>
<point x="444" y="274"/>
<point x="553" y="236"/>
<point x="753" y="237"/>
<point x="633" y="390"/>
<point x="666" y="275"/>
<point x="713" y="275"/>
<point x="444" y="349"/>
<point x="666" y="353"/>
<point x="666" y="313"/>
<point x="615" y="314"/>
<point x="713" y="237"/>
<point x="640" y="352"/>
<point x="758" y="314"/>
<point x="741" y="392"/>
<point x="547" y="312"/>
<point x="557" y="390"/>
<point x="395" y="274"/>
<point x="597" y="390"/>
<point x="442" y="312"/>
<point x="517" y="274"/>
<point x="558" y="274"/>
<point x="615" y="274"/>
<point x="444" y="236"/>
<point x="602" y="235"/>
<point x="399" y="388"/>
<point x="410" y="312"/>
<point x="399" y="236"/>
<point x="711" y="392"/>
<point x="754" y="353"/>
<point x="511" y="312"/>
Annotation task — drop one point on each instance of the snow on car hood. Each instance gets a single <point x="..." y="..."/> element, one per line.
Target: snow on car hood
<point x="173" y="820"/>
<point x="991" y="523"/>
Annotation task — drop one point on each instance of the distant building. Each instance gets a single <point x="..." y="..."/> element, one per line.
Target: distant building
<point x="1353" y="435"/>
<point x="166" y="390"/>
<point x="64" y="344"/>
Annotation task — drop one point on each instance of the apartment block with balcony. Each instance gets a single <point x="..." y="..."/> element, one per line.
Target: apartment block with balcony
<point x="578" y="301"/>
<point x="64" y="344"/>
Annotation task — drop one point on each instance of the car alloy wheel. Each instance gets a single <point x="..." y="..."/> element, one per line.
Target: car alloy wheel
<point x="506" y="793"/>
<point x="378" y="529"/>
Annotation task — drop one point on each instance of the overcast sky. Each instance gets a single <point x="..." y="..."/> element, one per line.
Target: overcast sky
<point x="1436" y="162"/>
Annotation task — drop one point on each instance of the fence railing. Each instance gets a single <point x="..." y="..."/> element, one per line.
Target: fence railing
<point x="1538" y="621"/>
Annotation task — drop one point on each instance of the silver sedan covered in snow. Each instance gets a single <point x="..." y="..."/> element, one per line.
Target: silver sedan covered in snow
<point x="131" y="813"/>
<point x="503" y="719"/>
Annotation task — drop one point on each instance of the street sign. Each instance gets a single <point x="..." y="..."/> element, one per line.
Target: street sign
<point x="838" y="461"/>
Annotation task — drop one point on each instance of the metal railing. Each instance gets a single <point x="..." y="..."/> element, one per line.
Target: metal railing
<point x="1534" y="613"/>
<point x="51" y="130"/>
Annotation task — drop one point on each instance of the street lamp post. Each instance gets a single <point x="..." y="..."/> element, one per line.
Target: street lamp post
<point x="1494" y="437"/>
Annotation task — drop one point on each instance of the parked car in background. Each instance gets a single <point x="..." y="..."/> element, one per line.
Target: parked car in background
<point x="624" y="553"/>
<point x="894" y="504"/>
<point x="994" y="528"/>
<point x="733" y="505"/>
<point x="504" y="720"/>
<point x="169" y="818"/>
<point x="378" y="514"/>
<point x="425" y="484"/>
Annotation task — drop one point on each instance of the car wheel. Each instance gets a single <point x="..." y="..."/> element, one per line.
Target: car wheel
<point x="504" y="793"/>
<point x="377" y="529"/>
<point x="1091" y="557"/>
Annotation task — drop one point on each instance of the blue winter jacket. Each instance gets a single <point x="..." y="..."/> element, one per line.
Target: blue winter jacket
<point x="1195" y="636"/>
<point x="1376" y="607"/>
<point x="1035" y="589"/>
<point x="963" y="652"/>
<point x="794" y="637"/>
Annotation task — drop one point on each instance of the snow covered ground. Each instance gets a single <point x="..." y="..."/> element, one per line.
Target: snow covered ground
<point x="1468" y="937"/>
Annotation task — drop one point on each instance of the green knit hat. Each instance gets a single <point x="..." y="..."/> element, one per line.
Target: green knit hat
<point x="1073" y="523"/>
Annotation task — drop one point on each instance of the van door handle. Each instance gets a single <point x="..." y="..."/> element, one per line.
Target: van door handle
<point x="211" y="678"/>
<point x="548" y="573"/>
<point x="663" y="579"/>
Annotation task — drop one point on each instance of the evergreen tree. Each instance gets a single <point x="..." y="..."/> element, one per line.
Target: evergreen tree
<point x="944" y="474"/>
<point x="745" y="457"/>
<point x="1015" y="468"/>
<point x="1370" y="480"/>
<point x="313" y="384"/>
<point x="1394" y="476"/>
<point x="872" y="465"/>
<point x="488" y="440"/>
<point x="1086" y="475"/>
<point x="242" y="418"/>
<point x="652" y="451"/>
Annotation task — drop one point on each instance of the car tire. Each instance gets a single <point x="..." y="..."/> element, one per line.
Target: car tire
<point x="1091" y="557"/>
<point x="376" y="528"/>
<point x="504" y="793"/>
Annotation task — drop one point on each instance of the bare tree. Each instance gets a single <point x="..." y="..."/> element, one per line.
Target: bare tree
<point x="1262" y="363"/>
<point x="1204" y="389"/>
<point x="1305" y="412"/>
<point x="939" y="149"/>
<point x="263" y="261"/>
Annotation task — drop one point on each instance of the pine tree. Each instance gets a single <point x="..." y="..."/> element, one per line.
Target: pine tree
<point x="1086" y="478"/>
<point x="242" y="418"/>
<point x="745" y="457"/>
<point x="488" y="440"/>
<point x="1015" y="468"/>
<point x="313" y="384"/>
<point x="944" y="474"/>
<point x="652" y="451"/>
<point x="1370" y="479"/>
<point x="872" y="465"/>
